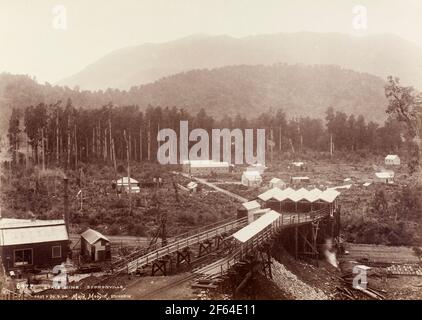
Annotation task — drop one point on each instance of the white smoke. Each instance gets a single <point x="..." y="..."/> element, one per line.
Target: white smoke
<point x="330" y="253"/>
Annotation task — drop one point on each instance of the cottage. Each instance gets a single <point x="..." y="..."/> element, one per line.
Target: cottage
<point x="392" y="160"/>
<point x="31" y="244"/>
<point x="385" y="177"/>
<point x="205" y="167"/>
<point x="125" y="184"/>
<point x="277" y="183"/>
<point x="251" y="179"/>
<point x="95" y="246"/>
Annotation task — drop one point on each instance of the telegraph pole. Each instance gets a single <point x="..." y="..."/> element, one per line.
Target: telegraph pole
<point x="127" y="140"/>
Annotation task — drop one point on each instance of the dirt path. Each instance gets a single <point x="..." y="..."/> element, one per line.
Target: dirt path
<point x="213" y="186"/>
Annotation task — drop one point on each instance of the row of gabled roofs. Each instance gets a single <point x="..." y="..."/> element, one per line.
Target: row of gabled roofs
<point x="302" y="194"/>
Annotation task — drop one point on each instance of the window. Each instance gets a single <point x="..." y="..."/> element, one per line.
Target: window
<point x="56" y="252"/>
<point x="23" y="257"/>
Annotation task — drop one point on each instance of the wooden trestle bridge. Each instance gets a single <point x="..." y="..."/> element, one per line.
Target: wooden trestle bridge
<point x="302" y="232"/>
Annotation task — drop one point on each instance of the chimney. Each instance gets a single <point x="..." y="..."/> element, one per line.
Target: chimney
<point x="66" y="203"/>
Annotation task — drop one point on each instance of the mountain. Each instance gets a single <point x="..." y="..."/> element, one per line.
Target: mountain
<point x="248" y="90"/>
<point x="381" y="55"/>
<point x="300" y="90"/>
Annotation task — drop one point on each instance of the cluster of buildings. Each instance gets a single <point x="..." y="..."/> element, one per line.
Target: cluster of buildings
<point x="289" y="201"/>
<point x="35" y="245"/>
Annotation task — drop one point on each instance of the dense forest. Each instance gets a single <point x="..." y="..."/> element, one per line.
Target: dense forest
<point x="248" y="90"/>
<point x="64" y="134"/>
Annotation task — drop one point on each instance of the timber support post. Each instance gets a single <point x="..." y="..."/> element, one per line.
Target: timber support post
<point x="183" y="255"/>
<point x="159" y="265"/>
<point x="266" y="260"/>
<point x="205" y="247"/>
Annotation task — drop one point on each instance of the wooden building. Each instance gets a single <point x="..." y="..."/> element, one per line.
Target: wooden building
<point x="251" y="179"/>
<point x="277" y="183"/>
<point x="95" y="246"/>
<point x="385" y="177"/>
<point x="33" y="244"/>
<point x="392" y="160"/>
<point x="125" y="184"/>
<point x="301" y="200"/>
<point x="299" y="180"/>
<point x="252" y="210"/>
<point x="205" y="167"/>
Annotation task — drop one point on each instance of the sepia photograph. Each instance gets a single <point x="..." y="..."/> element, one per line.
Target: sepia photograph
<point x="223" y="151"/>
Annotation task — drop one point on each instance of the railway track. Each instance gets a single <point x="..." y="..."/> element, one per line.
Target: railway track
<point x="193" y="275"/>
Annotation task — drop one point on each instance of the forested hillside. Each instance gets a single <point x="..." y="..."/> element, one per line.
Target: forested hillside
<point x="247" y="90"/>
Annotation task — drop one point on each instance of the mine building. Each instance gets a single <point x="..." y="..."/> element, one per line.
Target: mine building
<point x="205" y="167"/>
<point x="251" y="179"/>
<point x="385" y="177"/>
<point x="248" y="209"/>
<point x="30" y="244"/>
<point x="301" y="200"/>
<point x="277" y="183"/>
<point x="299" y="180"/>
<point x="95" y="246"/>
<point x="298" y="165"/>
<point x="392" y="160"/>
<point x="125" y="184"/>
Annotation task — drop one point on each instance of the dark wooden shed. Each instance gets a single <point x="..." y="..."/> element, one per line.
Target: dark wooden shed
<point x="33" y="244"/>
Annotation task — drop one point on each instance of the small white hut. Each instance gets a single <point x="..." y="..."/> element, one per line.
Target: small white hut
<point x="277" y="183"/>
<point x="385" y="177"/>
<point x="392" y="160"/>
<point x="124" y="184"/>
<point x="251" y="179"/>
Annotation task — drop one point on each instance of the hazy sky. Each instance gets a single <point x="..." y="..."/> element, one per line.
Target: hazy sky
<point x="30" y="44"/>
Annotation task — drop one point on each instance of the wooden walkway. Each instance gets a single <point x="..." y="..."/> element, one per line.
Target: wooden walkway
<point x="287" y="220"/>
<point x="179" y="245"/>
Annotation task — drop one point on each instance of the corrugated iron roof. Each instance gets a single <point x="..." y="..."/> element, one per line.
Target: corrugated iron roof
<point x="284" y="194"/>
<point x="256" y="226"/>
<point x="267" y="195"/>
<point x="125" y="180"/>
<point x="252" y="174"/>
<point x="298" y="194"/>
<point x="6" y="223"/>
<point x="206" y="163"/>
<point x="28" y="232"/>
<point x="313" y="195"/>
<point x="250" y="205"/>
<point x="276" y="180"/>
<point x="385" y="174"/>
<point x="92" y="236"/>
<point x="192" y="185"/>
<point x="329" y="195"/>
